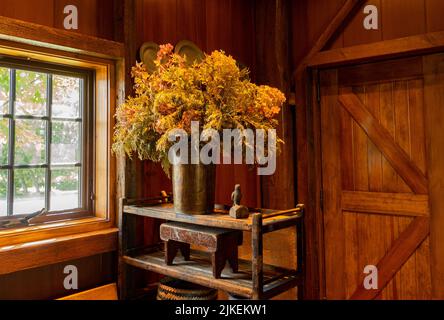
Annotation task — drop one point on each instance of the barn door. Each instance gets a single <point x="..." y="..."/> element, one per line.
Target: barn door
<point x="374" y="180"/>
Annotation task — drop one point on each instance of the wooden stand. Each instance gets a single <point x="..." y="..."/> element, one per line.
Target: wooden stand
<point x="221" y="243"/>
<point x="253" y="279"/>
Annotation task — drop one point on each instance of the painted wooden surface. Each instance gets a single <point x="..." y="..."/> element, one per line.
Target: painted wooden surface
<point x="375" y="149"/>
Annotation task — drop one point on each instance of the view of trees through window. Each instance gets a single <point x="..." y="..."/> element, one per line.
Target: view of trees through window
<point x="40" y="142"/>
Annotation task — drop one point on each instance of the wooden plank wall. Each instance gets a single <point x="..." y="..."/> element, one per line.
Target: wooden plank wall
<point x="211" y="24"/>
<point x="96" y="18"/>
<point x="242" y="29"/>
<point x="397" y="18"/>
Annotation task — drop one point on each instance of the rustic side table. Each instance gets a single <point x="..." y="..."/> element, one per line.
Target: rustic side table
<point x="254" y="280"/>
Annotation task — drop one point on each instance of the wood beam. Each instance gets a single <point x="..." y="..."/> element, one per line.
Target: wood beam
<point x="335" y="25"/>
<point x="399" y="253"/>
<point x="50" y="251"/>
<point x="53" y="38"/>
<point x="424" y="43"/>
<point x="399" y="204"/>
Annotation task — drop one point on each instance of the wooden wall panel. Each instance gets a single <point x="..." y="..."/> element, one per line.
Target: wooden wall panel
<point x="402" y="18"/>
<point x="397" y="18"/>
<point x="47" y="282"/>
<point x="96" y="17"/>
<point x="204" y="22"/>
<point x="434" y="10"/>
<point x="40" y="12"/>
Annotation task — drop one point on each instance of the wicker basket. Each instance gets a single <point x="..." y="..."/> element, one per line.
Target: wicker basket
<point x="173" y="289"/>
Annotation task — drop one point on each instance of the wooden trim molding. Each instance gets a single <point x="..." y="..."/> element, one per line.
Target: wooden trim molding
<point x="398" y="204"/>
<point x="424" y="43"/>
<point x="344" y="12"/>
<point x="53" y="38"/>
<point x="40" y="253"/>
<point x="107" y="292"/>
<point x="108" y="77"/>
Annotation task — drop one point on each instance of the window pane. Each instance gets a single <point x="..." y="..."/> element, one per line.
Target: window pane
<point x="65" y="189"/>
<point x="29" y="190"/>
<point x="65" y="146"/>
<point x="30" y="145"/>
<point x="4" y="90"/>
<point x="30" y="93"/>
<point x="3" y="192"/>
<point x="4" y="133"/>
<point x="66" y="97"/>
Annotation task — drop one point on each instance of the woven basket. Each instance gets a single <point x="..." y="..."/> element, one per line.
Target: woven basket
<point x="173" y="289"/>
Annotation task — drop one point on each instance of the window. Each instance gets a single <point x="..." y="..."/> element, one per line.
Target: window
<point x="45" y="152"/>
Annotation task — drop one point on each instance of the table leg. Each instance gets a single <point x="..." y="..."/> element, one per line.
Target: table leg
<point x="257" y="257"/>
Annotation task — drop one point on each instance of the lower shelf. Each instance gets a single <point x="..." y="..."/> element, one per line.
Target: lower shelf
<point x="199" y="271"/>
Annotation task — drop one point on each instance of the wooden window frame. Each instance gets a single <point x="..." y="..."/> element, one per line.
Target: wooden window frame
<point x="85" y="119"/>
<point x="19" y="39"/>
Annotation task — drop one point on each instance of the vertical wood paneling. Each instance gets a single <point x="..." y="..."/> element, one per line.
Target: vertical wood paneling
<point x="434" y="117"/>
<point x="351" y="253"/>
<point x="160" y="21"/>
<point x="374" y="155"/>
<point x="434" y="10"/>
<point x="96" y="17"/>
<point x="191" y="22"/>
<point x="333" y="218"/>
<point x="40" y="12"/>
<point x="402" y="18"/>
<point x="88" y="15"/>
<point x="402" y="124"/>
<point x="360" y="147"/>
<point x="355" y="33"/>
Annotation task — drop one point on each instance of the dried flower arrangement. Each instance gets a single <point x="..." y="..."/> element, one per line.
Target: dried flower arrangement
<point x="214" y="92"/>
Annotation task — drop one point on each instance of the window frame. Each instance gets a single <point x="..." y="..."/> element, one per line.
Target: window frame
<point x="87" y="120"/>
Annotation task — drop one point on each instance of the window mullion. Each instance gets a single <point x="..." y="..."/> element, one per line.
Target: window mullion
<point x="11" y="144"/>
<point x="48" y="142"/>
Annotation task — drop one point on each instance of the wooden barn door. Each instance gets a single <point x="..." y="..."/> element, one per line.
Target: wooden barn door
<point x="375" y="179"/>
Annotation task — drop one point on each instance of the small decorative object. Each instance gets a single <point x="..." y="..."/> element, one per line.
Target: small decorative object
<point x="214" y="93"/>
<point x="148" y="55"/>
<point x="237" y="211"/>
<point x="188" y="49"/>
<point x="174" y="289"/>
<point x="221" y="243"/>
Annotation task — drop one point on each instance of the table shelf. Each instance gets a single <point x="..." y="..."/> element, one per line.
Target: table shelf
<point x="254" y="280"/>
<point x="199" y="270"/>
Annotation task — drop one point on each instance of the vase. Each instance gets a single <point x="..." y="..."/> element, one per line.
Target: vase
<point x="194" y="188"/>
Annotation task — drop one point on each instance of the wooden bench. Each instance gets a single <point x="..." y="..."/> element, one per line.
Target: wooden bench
<point x="221" y="243"/>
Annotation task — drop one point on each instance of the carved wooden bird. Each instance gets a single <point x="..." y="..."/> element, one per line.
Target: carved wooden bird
<point x="236" y="196"/>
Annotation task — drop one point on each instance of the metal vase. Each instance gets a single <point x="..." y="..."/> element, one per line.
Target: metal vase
<point x="194" y="188"/>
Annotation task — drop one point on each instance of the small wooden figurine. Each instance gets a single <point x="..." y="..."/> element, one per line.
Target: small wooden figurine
<point x="237" y="211"/>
